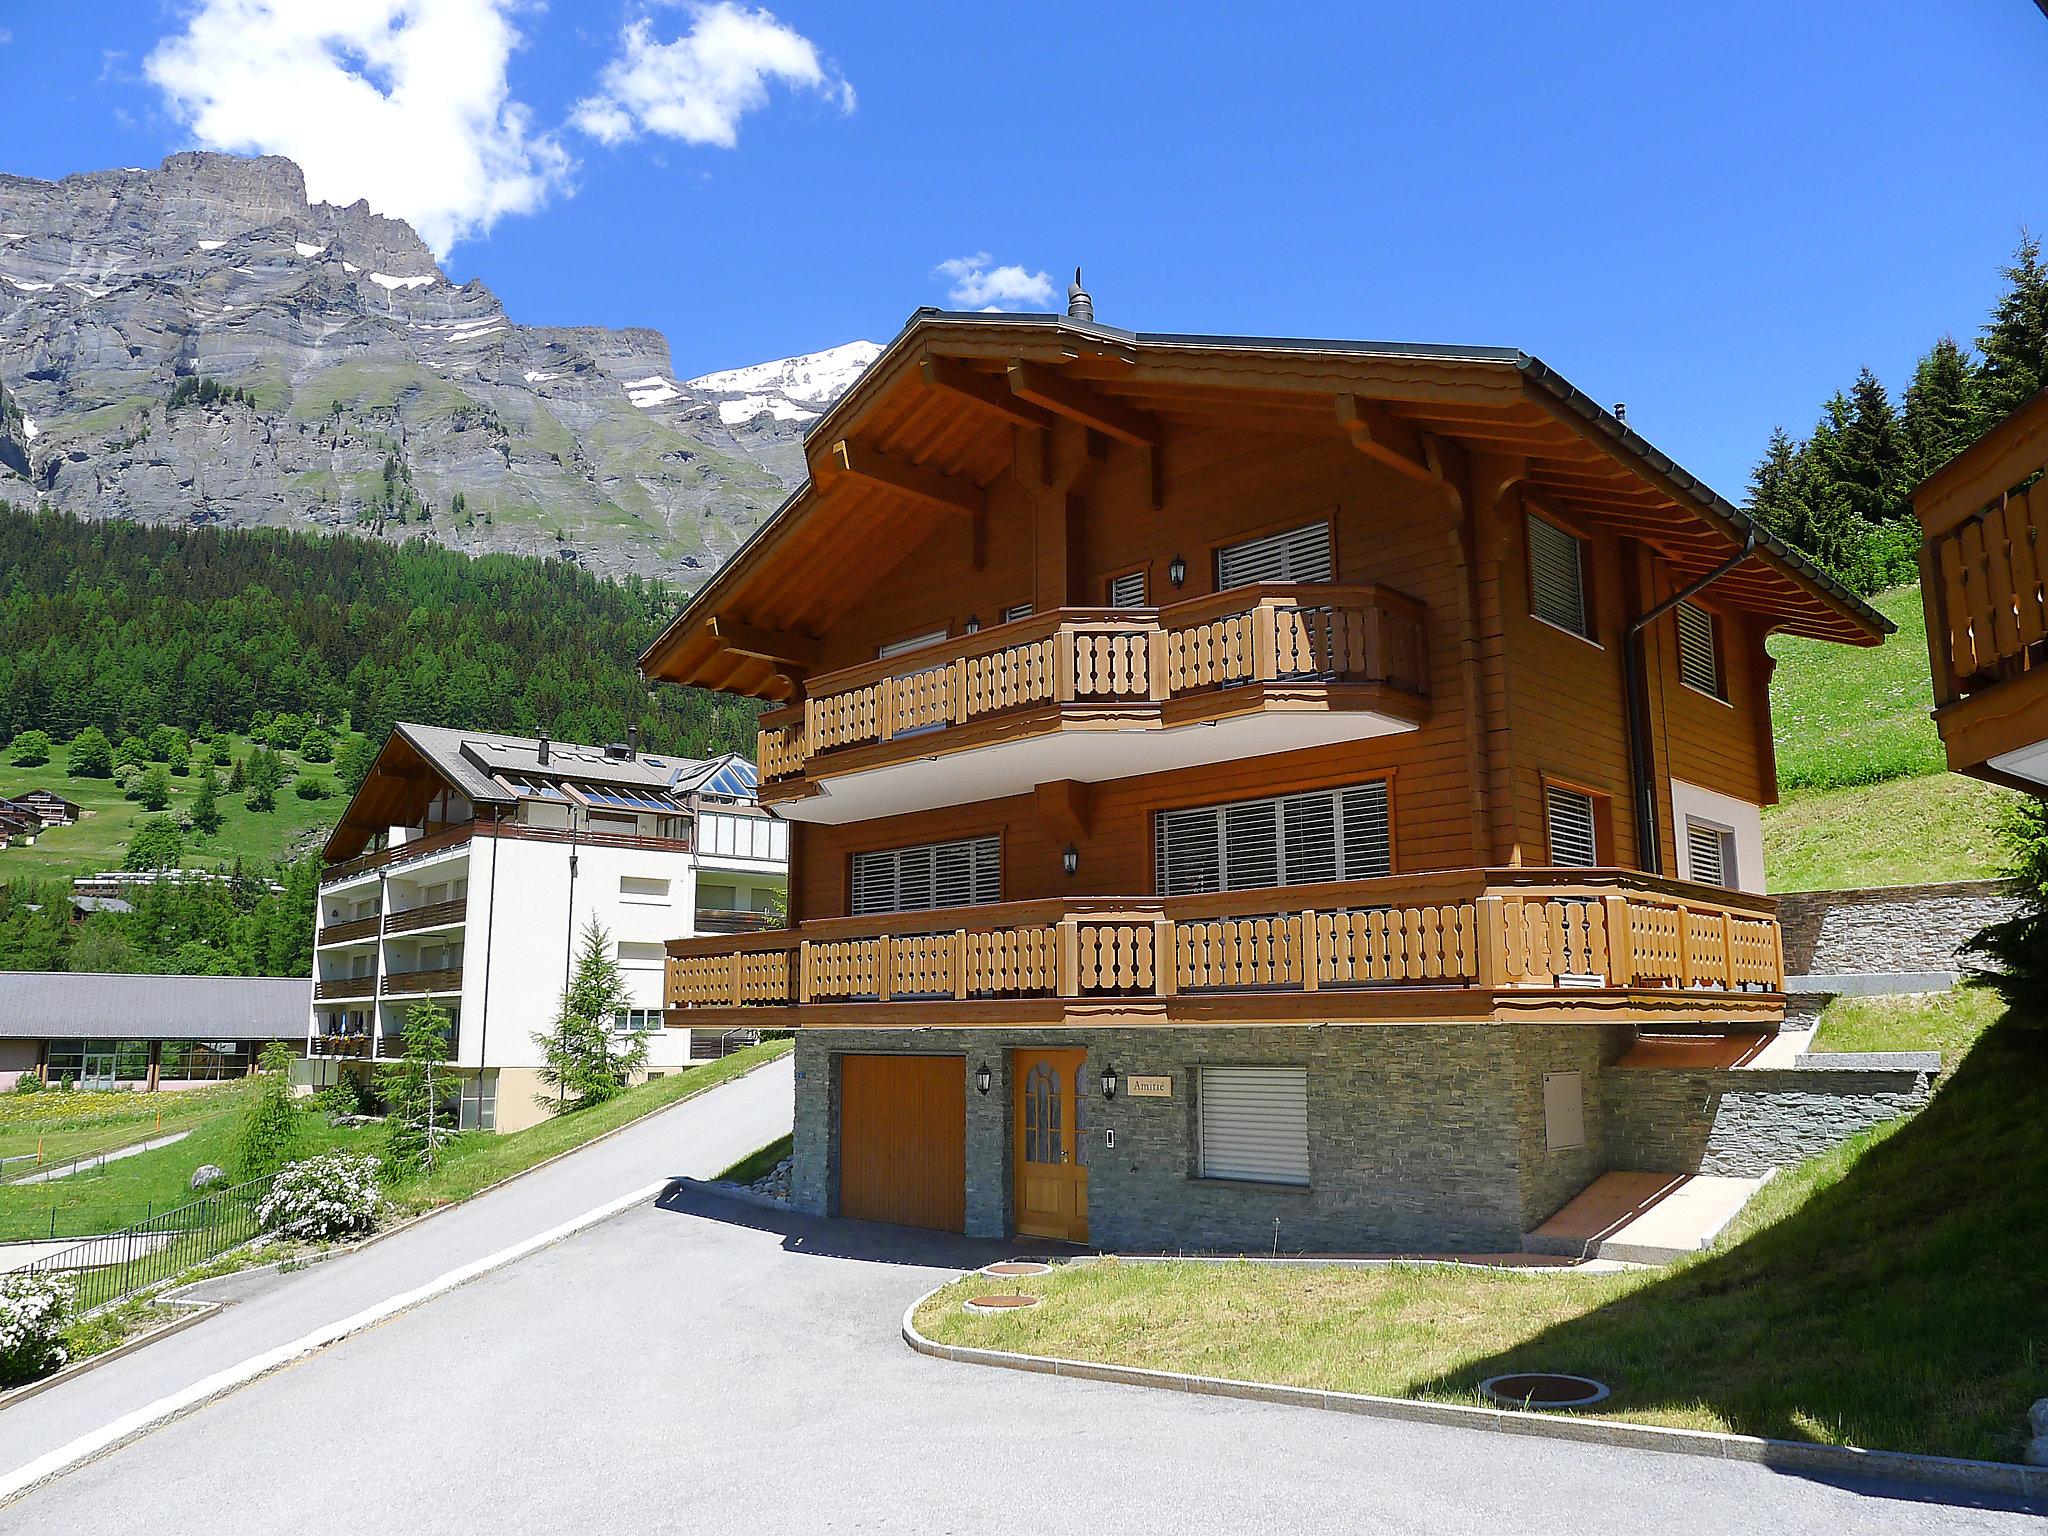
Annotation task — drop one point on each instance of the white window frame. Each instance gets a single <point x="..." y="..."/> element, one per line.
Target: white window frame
<point x="631" y="1021"/>
<point x="1291" y="553"/>
<point x="1584" y="628"/>
<point x="1362" y="852"/>
<point x="984" y="877"/>
<point x="1271" y="1154"/>
<point x="1552" y="795"/>
<point x="1714" y="685"/>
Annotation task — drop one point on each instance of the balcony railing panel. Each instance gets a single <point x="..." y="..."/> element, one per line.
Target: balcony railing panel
<point x="349" y="932"/>
<point x="1506" y="930"/>
<point x="408" y="983"/>
<point x="433" y="916"/>
<point x="344" y="987"/>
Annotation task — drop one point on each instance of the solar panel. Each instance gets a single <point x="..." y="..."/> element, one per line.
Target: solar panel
<point x="626" y="799"/>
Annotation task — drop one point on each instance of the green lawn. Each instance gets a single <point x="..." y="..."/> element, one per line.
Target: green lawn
<point x="67" y="1125"/>
<point x="1874" y="1296"/>
<point x="1948" y="1022"/>
<point x="1903" y="832"/>
<point x="99" y="839"/>
<point x="1851" y="715"/>
<point x="760" y="1162"/>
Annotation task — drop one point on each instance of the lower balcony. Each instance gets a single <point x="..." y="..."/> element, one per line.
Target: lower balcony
<point x="338" y="1045"/>
<point x="1559" y="945"/>
<point x="344" y="988"/>
<point x="423" y="983"/>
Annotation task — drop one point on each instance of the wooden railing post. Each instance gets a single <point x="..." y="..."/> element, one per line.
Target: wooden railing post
<point x="1621" y="944"/>
<point x="1490" y="962"/>
<point x="1165" y="958"/>
<point x="960" y="963"/>
<point x="1070" y="958"/>
<point x="885" y="968"/>
<point x="956" y="679"/>
<point x="1311" y="954"/>
<point x="1155" y="665"/>
<point x="1685" y="972"/>
<point x="735" y="980"/>
<point x="1265" y="642"/>
<point x="1727" y="950"/>
<point x="803" y="971"/>
<point x="1064" y="641"/>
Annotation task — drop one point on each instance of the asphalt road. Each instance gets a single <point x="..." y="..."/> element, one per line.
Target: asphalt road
<point x="702" y="1366"/>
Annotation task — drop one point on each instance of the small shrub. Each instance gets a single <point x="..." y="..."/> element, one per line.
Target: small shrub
<point x="269" y="1132"/>
<point x="340" y="1099"/>
<point x="330" y="1196"/>
<point x="28" y="1082"/>
<point x="32" y="1312"/>
<point x="311" y="786"/>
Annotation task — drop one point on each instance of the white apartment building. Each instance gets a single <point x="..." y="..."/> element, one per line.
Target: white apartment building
<point x="467" y="869"/>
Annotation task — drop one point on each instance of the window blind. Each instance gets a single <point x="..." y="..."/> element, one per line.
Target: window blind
<point x="1016" y="611"/>
<point x="1557" y="577"/>
<point x="968" y="873"/>
<point x="898" y="647"/>
<point x="1699" y="663"/>
<point x="1710" y="853"/>
<point x="1573" y="840"/>
<point x="1254" y="1123"/>
<point x="1300" y="554"/>
<point x="1128" y="590"/>
<point x="1244" y="845"/>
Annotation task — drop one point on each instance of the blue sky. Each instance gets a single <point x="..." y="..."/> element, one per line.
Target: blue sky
<point x="1716" y="213"/>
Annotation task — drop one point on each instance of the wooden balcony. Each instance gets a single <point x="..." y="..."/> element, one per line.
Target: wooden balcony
<point x="1983" y="568"/>
<point x="402" y="853"/>
<point x="350" y="932"/>
<point x="729" y="920"/>
<point x="343" y="988"/>
<point x="338" y="1045"/>
<point x="439" y="915"/>
<point x="1098" y="693"/>
<point x="422" y="983"/>
<point x="1501" y="944"/>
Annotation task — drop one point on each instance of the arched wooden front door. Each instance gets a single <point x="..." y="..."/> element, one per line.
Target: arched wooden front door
<point x="1051" y="1178"/>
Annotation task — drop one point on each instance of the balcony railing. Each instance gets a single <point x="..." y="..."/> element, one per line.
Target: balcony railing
<point x="727" y="920"/>
<point x="339" y="1045"/>
<point x="1165" y="662"/>
<point x="1990" y="570"/>
<point x="349" y="932"/>
<point x="437" y="915"/>
<point x="419" y="847"/>
<point x="417" y="983"/>
<point x="1497" y="930"/>
<point x="342" y="988"/>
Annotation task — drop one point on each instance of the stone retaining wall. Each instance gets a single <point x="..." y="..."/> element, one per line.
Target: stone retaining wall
<point x="1743" y="1123"/>
<point x="1890" y="929"/>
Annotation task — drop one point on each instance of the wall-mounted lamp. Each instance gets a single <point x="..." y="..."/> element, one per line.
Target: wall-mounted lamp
<point x="973" y="625"/>
<point x="983" y="1077"/>
<point x="1109" y="1082"/>
<point x="1177" y="570"/>
<point x="1070" y="861"/>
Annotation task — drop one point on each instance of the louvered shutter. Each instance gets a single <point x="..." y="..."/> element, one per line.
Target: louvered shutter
<point x="959" y="874"/>
<point x="1309" y="823"/>
<point x="1242" y="845"/>
<point x="1368" y="840"/>
<point x="1254" y="1124"/>
<point x="1128" y="591"/>
<point x="1016" y="611"/>
<point x="1251" y="845"/>
<point x="874" y="882"/>
<point x="1300" y="554"/>
<point x="1573" y="843"/>
<point x="1699" y="664"/>
<point x="1708" y="854"/>
<point x="1557" y="578"/>
<point x="1190" y="851"/>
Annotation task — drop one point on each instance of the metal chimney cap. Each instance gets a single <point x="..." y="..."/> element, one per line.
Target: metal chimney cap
<point x="1079" y="305"/>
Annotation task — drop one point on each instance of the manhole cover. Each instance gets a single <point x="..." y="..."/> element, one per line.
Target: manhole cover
<point x="1542" y="1389"/>
<point x="999" y="1303"/>
<point x="1017" y="1267"/>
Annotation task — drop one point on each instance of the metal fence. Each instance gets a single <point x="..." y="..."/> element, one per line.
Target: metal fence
<point x="115" y="1265"/>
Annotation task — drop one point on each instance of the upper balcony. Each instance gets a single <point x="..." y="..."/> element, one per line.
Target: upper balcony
<point x="1098" y="693"/>
<point x="1982" y="570"/>
<point x="1471" y="945"/>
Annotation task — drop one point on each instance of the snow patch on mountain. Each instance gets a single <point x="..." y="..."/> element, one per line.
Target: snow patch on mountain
<point x="650" y="392"/>
<point x="386" y="280"/>
<point x="814" y="377"/>
<point x="735" y="412"/>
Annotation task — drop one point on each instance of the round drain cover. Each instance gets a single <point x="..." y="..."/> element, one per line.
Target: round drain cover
<point x="1017" y="1267"/>
<point x="999" y="1303"/>
<point x="1542" y="1389"/>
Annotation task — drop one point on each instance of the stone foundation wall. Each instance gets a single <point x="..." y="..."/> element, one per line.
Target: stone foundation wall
<point x="1898" y="928"/>
<point x="1743" y="1123"/>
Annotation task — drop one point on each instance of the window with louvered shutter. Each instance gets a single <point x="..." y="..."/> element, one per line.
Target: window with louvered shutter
<point x="1557" y="577"/>
<point x="898" y="647"/>
<point x="1699" y="661"/>
<point x="1300" y="554"/>
<point x="968" y="873"/>
<point x="1254" y="1124"/>
<point x="1016" y="611"/>
<point x="1710" y="853"/>
<point x="1128" y="590"/>
<point x="1248" y="845"/>
<point x="1574" y="842"/>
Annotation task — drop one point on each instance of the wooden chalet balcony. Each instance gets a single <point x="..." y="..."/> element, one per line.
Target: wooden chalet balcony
<point x="343" y="988"/>
<point x="422" y="983"/>
<point x="1465" y="944"/>
<point x="440" y="914"/>
<point x="350" y="932"/>
<point x="1341" y="662"/>
<point x="338" y="1045"/>
<point x="1983" y="566"/>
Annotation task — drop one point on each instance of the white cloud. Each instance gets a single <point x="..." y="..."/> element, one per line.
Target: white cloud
<point x="403" y="102"/>
<point x="978" y="285"/>
<point x="698" y="87"/>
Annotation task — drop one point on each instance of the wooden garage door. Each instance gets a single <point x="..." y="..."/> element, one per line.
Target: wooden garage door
<point x="903" y="1140"/>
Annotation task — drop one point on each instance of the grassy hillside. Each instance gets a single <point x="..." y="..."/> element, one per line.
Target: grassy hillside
<point x="1866" y="798"/>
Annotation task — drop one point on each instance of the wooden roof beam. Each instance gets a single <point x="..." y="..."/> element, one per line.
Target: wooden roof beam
<point x="771" y="645"/>
<point x="913" y="480"/>
<point x="1379" y="434"/>
<point x="984" y="389"/>
<point x="1043" y="387"/>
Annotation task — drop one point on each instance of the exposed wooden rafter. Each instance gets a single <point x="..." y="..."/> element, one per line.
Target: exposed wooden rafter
<point x="912" y="480"/>
<point x="774" y="645"/>
<point x="1379" y="434"/>
<point x="985" y="389"/>
<point x="1077" y="402"/>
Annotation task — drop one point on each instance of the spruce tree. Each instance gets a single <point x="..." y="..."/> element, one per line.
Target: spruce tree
<point x="2014" y="343"/>
<point x="1771" y="485"/>
<point x="268" y="1135"/>
<point x="412" y="1086"/>
<point x="206" y="804"/>
<point x="1937" y="414"/>
<point x="1873" y="453"/>
<point x="584" y="1058"/>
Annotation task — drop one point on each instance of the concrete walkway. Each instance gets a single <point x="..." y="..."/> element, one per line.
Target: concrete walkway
<point x="702" y="1366"/>
<point x="115" y="1156"/>
<point x="698" y="1138"/>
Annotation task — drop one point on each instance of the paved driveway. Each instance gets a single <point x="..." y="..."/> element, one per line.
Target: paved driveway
<point x="701" y="1366"/>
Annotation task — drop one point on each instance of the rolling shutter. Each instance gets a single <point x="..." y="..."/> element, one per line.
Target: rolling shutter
<point x="1699" y="663"/>
<point x="1557" y="578"/>
<point x="1254" y="1124"/>
<point x="1128" y="590"/>
<point x="1246" y="845"/>
<point x="968" y="873"/>
<point x="915" y="642"/>
<point x="1573" y="843"/>
<point x="1300" y="554"/>
<point x="1710" y="854"/>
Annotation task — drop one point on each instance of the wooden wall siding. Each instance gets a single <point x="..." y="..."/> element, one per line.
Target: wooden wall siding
<point x="1549" y="703"/>
<point x="903" y="1140"/>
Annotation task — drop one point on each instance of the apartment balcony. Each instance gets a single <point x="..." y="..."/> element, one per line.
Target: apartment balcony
<point x="430" y="983"/>
<point x="354" y="932"/>
<point x="338" y="1045"/>
<point x="1982" y="571"/>
<point x="727" y="920"/>
<point x="1095" y="694"/>
<point x="344" y="988"/>
<point x="439" y="841"/>
<point x="440" y="914"/>
<point x="1498" y="945"/>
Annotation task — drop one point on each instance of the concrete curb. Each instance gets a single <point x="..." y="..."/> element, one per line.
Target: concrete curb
<point x="1995" y="1477"/>
<point x="195" y="1312"/>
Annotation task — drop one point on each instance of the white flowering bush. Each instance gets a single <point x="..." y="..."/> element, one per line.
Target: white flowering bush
<point x="332" y="1195"/>
<point x="32" y="1312"/>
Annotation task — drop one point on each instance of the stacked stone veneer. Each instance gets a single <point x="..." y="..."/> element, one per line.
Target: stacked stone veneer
<point x="1745" y="1123"/>
<point x="1891" y="929"/>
